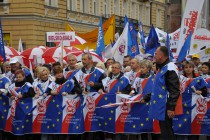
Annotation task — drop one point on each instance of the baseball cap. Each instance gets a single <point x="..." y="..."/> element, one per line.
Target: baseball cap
<point x="195" y="56"/>
<point x="13" y="60"/>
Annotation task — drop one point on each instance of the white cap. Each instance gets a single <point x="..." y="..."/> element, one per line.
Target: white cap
<point x="13" y="60"/>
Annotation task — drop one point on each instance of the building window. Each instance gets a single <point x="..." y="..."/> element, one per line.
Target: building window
<point x="116" y="7"/>
<point x="133" y="10"/>
<point x="158" y="18"/>
<point x="53" y="3"/>
<point x="105" y="8"/>
<point x="84" y="6"/>
<point x="125" y="7"/>
<point x="96" y="7"/>
<point x="140" y="12"/>
<point x="147" y="15"/>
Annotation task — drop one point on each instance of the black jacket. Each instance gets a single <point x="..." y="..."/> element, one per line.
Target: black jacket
<point x="173" y="87"/>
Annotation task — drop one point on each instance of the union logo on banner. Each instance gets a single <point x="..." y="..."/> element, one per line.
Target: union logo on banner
<point x="13" y="108"/>
<point x="71" y="106"/>
<point x="41" y="106"/>
<point x="121" y="49"/>
<point x="133" y="49"/>
<point x="201" y="106"/>
<point x="90" y="103"/>
<point x="125" y="108"/>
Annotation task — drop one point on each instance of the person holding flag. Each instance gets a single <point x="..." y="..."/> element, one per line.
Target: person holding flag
<point x="165" y="93"/>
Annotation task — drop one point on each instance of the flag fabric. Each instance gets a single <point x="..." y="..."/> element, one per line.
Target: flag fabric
<point x="120" y="48"/>
<point x="4" y="102"/>
<point x="100" y="48"/>
<point x="190" y="20"/>
<point x="125" y="21"/>
<point x="196" y="109"/>
<point x="168" y="46"/>
<point x="20" y="46"/>
<point x="141" y="32"/>
<point x="152" y="42"/>
<point x="2" y="49"/>
<point x="185" y="48"/>
<point x="133" y="48"/>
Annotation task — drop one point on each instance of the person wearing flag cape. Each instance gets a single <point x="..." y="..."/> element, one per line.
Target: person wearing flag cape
<point x="165" y="93"/>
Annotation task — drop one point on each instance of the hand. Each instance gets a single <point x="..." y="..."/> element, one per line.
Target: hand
<point x="91" y="84"/>
<point x="118" y="92"/>
<point x="45" y="95"/>
<point x="100" y="91"/>
<point x="36" y="96"/>
<point x="170" y="113"/>
<point x="198" y="92"/>
<point x="64" y="93"/>
<point x="142" y="101"/>
<point x="20" y="96"/>
<point x="53" y="92"/>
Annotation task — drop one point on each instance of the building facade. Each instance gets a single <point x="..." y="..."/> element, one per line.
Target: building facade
<point x="31" y="19"/>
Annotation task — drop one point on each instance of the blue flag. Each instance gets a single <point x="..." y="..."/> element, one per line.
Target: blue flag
<point x="2" y="51"/>
<point x="152" y="42"/>
<point x="168" y="46"/>
<point x="142" y="39"/>
<point x="185" y="48"/>
<point x="100" y="43"/>
<point x="133" y="48"/>
<point x="125" y="21"/>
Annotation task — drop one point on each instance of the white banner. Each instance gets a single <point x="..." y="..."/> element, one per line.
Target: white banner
<point x="189" y="21"/>
<point x="60" y="36"/>
<point x="204" y="55"/>
<point x="200" y="40"/>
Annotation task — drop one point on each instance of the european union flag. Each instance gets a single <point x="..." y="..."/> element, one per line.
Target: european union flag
<point x="4" y="103"/>
<point x="133" y="48"/>
<point x="142" y="39"/>
<point x="168" y="46"/>
<point x="2" y="50"/>
<point x="100" y="43"/>
<point x="152" y="42"/>
<point x="185" y="48"/>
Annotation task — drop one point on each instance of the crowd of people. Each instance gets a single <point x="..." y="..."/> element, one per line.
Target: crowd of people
<point x="47" y="79"/>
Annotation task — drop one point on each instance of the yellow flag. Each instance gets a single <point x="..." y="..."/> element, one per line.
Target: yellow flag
<point x="68" y="27"/>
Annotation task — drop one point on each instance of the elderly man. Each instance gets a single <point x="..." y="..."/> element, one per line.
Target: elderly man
<point x="89" y="77"/>
<point x="116" y="82"/>
<point x="15" y="65"/>
<point x="165" y="93"/>
<point x="71" y="69"/>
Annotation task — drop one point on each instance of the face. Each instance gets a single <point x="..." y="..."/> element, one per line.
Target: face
<point x="19" y="77"/>
<point x="15" y="66"/>
<point x="134" y="64"/>
<point x="116" y="69"/>
<point x="86" y="61"/>
<point x="205" y="69"/>
<point x="7" y="68"/>
<point x="109" y="62"/>
<point x="158" y="56"/>
<point x="196" y="61"/>
<point x="72" y="61"/>
<point x="126" y="62"/>
<point x="188" y="69"/>
<point x="154" y="67"/>
<point x="44" y="75"/>
<point x="59" y="75"/>
<point x="144" y="69"/>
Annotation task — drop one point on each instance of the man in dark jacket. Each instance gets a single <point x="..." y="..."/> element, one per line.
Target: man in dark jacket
<point x="165" y="93"/>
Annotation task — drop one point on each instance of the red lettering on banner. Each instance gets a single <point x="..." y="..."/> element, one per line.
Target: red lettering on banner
<point x="191" y="22"/>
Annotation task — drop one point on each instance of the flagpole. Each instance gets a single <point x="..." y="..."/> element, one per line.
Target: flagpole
<point x="61" y="59"/>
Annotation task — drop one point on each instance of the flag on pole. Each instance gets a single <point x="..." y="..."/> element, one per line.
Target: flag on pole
<point x="125" y="21"/>
<point x="152" y="42"/>
<point x="100" y="48"/>
<point x="133" y="48"/>
<point x="20" y="46"/>
<point x="185" y="49"/>
<point x="169" y="48"/>
<point x="120" y="48"/>
<point x="141" y="32"/>
<point x="2" y="50"/>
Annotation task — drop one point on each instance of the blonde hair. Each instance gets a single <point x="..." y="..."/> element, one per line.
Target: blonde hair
<point x="40" y="70"/>
<point x="100" y="65"/>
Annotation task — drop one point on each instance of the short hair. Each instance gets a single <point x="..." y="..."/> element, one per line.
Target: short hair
<point x="110" y="59"/>
<point x="41" y="70"/>
<point x="188" y="63"/>
<point x="101" y="65"/>
<point x="71" y="55"/>
<point x="207" y="64"/>
<point x="118" y="64"/>
<point x="128" y="56"/>
<point x="57" y="69"/>
<point x="146" y="63"/>
<point x="164" y="50"/>
<point x="6" y="64"/>
<point x="47" y="66"/>
<point x="88" y="54"/>
<point x="19" y="71"/>
<point x="56" y="64"/>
